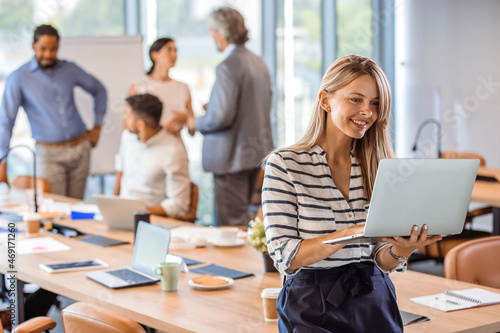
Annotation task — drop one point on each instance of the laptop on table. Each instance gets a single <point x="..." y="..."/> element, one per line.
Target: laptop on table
<point x="117" y="212"/>
<point x="411" y="192"/>
<point x="150" y="248"/>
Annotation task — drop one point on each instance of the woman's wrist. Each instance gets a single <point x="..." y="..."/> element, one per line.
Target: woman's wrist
<point x="399" y="252"/>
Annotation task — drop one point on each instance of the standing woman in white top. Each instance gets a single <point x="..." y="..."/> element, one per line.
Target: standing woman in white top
<point x="319" y="189"/>
<point x="174" y="94"/>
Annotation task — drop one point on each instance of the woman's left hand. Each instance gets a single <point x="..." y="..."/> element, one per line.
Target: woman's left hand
<point x="404" y="246"/>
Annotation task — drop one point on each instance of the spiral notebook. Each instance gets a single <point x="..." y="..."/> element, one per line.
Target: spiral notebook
<point x="459" y="299"/>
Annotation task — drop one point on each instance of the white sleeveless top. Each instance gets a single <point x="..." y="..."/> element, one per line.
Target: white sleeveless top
<point x="173" y="94"/>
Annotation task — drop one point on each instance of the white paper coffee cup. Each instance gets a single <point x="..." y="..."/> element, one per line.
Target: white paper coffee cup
<point x="269" y="297"/>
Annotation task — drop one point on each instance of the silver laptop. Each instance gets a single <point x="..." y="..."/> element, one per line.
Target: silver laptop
<point x="411" y="192"/>
<point x="150" y="248"/>
<point x="118" y="213"/>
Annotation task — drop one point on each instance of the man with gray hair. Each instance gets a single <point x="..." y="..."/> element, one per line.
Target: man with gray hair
<point x="236" y="125"/>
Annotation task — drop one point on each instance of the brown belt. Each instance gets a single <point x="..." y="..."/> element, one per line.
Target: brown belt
<point x="69" y="143"/>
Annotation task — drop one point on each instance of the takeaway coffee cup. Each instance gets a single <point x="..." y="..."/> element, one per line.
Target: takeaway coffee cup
<point x="169" y="275"/>
<point x="227" y="235"/>
<point x="269" y="297"/>
<point x="32" y="223"/>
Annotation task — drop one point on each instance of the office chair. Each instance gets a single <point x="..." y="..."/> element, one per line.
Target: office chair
<point x="260" y="214"/>
<point x="256" y="199"/>
<point x="83" y="317"/>
<point x="33" y="325"/>
<point x="193" y="205"/>
<point x="475" y="261"/>
<point x="439" y="249"/>
<point x="257" y="193"/>
<point x="25" y="182"/>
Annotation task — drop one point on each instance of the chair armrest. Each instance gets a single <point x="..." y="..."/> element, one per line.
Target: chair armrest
<point x="478" y="212"/>
<point x="35" y="325"/>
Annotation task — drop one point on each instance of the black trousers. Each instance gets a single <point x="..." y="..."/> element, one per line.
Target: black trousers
<point x="38" y="303"/>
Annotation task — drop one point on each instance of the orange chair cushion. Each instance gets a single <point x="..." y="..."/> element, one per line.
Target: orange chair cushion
<point x="476" y="261"/>
<point x="83" y="318"/>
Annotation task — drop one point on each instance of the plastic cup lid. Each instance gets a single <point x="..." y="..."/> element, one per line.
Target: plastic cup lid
<point x="270" y="293"/>
<point x="31" y="217"/>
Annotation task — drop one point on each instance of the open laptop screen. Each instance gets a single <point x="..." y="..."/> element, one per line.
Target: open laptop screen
<point x="150" y="248"/>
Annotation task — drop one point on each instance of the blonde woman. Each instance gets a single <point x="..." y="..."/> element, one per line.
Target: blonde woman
<point x="320" y="189"/>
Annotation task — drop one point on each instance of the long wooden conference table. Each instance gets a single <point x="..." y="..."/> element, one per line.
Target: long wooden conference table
<point x="238" y="309"/>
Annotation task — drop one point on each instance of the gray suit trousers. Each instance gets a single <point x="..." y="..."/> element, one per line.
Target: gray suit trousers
<point x="233" y="193"/>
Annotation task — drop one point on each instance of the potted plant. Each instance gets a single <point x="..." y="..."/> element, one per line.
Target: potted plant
<point x="257" y="239"/>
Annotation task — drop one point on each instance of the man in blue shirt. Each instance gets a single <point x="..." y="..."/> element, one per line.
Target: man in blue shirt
<point x="44" y="88"/>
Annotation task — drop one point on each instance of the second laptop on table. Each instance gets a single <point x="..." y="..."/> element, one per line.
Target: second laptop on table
<point x="117" y="212"/>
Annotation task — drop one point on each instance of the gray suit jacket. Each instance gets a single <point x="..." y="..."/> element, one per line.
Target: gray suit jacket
<point x="237" y="125"/>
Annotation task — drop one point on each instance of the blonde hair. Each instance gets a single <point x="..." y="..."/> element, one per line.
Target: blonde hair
<point x="376" y="143"/>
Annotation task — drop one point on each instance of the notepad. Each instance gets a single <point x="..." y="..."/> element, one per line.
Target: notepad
<point x="459" y="299"/>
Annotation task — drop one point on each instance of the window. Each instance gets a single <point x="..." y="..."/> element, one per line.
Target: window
<point x="354" y="27"/>
<point x="18" y="20"/>
<point x="298" y="66"/>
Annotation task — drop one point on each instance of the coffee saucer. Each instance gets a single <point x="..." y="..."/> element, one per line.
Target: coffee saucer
<point x="198" y="286"/>
<point x="239" y="242"/>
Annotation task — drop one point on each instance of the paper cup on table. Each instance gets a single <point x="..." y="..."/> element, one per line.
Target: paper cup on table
<point x="269" y="298"/>
<point x="32" y="221"/>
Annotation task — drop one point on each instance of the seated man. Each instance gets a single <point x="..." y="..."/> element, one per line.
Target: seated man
<point x="152" y="164"/>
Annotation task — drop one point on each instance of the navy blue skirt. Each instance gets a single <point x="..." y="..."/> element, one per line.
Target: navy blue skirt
<point x="353" y="298"/>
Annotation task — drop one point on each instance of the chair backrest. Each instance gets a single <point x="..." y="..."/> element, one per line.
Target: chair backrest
<point x="457" y="154"/>
<point x="193" y="205"/>
<point x="475" y="261"/>
<point x="260" y="214"/>
<point x="83" y="317"/>
<point x="25" y="182"/>
<point x="257" y="192"/>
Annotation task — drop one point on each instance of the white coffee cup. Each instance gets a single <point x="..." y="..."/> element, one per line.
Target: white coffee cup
<point x="227" y="235"/>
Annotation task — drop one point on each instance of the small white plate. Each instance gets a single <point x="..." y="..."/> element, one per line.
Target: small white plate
<point x="239" y="242"/>
<point x="198" y="286"/>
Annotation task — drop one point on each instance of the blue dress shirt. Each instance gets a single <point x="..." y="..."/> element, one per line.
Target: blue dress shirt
<point x="47" y="97"/>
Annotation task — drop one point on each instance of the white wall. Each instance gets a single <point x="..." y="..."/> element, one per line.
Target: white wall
<point x="448" y="68"/>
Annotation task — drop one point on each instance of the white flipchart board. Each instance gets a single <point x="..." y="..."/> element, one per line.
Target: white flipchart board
<point x="117" y="62"/>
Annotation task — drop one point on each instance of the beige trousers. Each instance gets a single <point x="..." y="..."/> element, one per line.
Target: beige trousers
<point x="65" y="167"/>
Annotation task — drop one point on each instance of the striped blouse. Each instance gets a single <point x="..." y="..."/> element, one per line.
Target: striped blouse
<point x="300" y="201"/>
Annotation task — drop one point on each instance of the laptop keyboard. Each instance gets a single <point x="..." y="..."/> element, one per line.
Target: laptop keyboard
<point x="129" y="276"/>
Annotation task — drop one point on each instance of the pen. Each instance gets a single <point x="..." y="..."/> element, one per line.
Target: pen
<point x="447" y="301"/>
